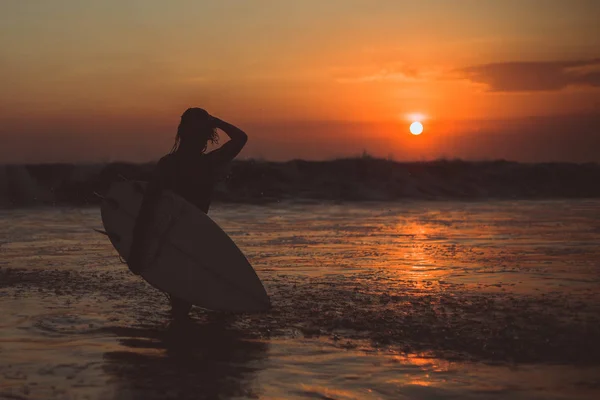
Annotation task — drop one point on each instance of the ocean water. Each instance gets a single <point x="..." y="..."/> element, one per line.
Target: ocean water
<point x="370" y="300"/>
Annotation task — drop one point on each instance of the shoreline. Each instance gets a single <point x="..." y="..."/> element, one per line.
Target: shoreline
<point x="453" y="301"/>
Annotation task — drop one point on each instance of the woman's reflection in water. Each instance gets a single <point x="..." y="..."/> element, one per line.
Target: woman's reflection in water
<point x="189" y="360"/>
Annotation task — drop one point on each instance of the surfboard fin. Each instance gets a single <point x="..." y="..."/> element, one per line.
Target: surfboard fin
<point x="112" y="236"/>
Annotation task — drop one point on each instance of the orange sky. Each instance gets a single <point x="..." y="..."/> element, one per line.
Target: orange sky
<point x="89" y="81"/>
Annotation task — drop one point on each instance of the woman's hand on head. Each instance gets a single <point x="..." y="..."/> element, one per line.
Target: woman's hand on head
<point x="214" y="121"/>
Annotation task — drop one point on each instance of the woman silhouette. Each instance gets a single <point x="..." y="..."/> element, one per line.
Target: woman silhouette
<point x="189" y="172"/>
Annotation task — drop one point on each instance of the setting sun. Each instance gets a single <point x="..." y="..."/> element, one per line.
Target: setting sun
<point x="416" y="128"/>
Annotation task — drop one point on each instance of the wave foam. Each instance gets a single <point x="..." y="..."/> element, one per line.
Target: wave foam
<point x="352" y="179"/>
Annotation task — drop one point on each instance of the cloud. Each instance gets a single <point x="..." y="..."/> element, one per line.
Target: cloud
<point x="392" y="73"/>
<point x="381" y="76"/>
<point x="534" y="76"/>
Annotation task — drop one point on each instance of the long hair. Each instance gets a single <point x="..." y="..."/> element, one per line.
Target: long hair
<point x="195" y="127"/>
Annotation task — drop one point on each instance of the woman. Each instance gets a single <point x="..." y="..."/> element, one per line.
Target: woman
<point x="191" y="173"/>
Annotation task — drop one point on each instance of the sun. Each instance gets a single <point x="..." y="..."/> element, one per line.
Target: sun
<point x="416" y="120"/>
<point x="416" y="128"/>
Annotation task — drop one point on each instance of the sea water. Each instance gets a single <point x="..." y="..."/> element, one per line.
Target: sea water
<point x="370" y="301"/>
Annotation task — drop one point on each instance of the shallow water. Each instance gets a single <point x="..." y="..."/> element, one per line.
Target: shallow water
<point x="370" y="301"/>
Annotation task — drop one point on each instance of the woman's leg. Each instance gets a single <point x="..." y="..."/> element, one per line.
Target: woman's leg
<point x="179" y="308"/>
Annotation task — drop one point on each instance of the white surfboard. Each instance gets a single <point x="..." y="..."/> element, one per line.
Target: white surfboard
<point x="186" y="253"/>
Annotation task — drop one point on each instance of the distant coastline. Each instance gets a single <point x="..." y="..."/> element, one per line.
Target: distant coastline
<point x="350" y="179"/>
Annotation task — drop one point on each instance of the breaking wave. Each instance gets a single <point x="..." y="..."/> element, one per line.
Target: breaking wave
<point x="351" y="179"/>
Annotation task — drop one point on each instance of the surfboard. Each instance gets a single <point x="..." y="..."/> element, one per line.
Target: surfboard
<point x="186" y="253"/>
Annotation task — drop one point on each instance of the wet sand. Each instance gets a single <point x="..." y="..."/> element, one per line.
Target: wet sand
<point x="371" y="300"/>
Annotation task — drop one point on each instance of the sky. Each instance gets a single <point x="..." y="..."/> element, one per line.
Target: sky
<point x="104" y="81"/>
